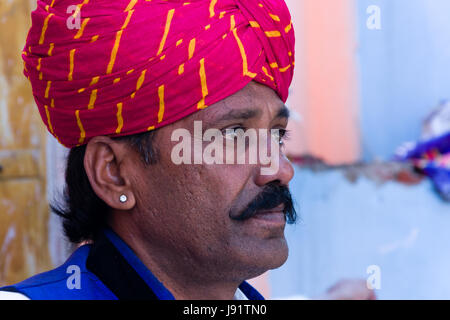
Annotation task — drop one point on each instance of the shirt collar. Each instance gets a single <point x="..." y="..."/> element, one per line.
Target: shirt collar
<point x="115" y="258"/>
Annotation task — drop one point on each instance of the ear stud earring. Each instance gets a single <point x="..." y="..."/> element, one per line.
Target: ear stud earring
<point x="123" y="198"/>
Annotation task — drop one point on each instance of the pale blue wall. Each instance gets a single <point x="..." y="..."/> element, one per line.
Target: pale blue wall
<point x="346" y="227"/>
<point x="404" y="73"/>
<point x="404" y="70"/>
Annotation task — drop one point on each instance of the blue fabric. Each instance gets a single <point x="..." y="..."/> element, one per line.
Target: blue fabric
<point x="432" y="157"/>
<point x="52" y="285"/>
<point x="157" y="287"/>
<point x="250" y="292"/>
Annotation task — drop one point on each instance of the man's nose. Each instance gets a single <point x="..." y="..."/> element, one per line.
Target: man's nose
<point x="283" y="175"/>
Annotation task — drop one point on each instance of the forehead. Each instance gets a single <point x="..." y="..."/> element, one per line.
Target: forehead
<point x="255" y="97"/>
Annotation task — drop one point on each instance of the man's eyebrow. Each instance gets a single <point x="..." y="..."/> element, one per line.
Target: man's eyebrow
<point x="241" y="114"/>
<point x="246" y="114"/>
<point x="283" y="112"/>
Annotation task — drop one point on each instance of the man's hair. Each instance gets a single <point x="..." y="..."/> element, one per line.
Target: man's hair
<point x="83" y="213"/>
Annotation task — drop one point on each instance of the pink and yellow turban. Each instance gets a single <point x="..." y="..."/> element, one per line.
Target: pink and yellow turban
<point x="134" y="66"/>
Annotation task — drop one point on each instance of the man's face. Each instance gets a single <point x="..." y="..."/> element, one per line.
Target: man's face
<point x="189" y="209"/>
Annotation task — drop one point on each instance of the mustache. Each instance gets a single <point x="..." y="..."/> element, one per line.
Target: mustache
<point x="272" y="196"/>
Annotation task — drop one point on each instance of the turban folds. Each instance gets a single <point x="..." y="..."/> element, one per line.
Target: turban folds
<point x="137" y="65"/>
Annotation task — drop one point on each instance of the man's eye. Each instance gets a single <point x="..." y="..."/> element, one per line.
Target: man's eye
<point x="281" y="135"/>
<point x="234" y="133"/>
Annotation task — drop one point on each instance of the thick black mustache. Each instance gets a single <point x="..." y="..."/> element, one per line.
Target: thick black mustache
<point x="273" y="195"/>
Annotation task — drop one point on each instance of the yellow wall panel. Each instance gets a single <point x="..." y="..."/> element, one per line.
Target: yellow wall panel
<point x="23" y="227"/>
<point x="24" y="211"/>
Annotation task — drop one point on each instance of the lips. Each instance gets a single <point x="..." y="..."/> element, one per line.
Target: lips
<point x="275" y="215"/>
<point x="278" y="209"/>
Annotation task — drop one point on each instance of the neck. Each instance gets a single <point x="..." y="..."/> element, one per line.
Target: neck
<point x="180" y="274"/>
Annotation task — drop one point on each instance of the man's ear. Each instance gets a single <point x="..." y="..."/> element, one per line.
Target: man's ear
<point x="104" y="162"/>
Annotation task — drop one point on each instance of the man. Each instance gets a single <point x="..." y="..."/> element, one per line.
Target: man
<point x="115" y="90"/>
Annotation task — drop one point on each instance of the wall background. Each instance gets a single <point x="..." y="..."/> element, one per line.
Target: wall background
<point x="404" y="70"/>
<point x="403" y="73"/>
<point x="24" y="210"/>
<point x="346" y="227"/>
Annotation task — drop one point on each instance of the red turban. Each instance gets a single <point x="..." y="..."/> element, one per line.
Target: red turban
<point x="134" y="66"/>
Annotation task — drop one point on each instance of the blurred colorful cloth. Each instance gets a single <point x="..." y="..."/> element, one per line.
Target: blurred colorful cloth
<point x="134" y="66"/>
<point x="432" y="157"/>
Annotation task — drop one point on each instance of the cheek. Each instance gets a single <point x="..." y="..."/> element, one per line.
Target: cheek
<point x="204" y="197"/>
<point x="207" y="189"/>
<point x="227" y="184"/>
<point x="210" y="187"/>
<point x="194" y="198"/>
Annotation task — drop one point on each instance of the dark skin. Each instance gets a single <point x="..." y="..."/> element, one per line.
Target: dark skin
<point x="176" y="218"/>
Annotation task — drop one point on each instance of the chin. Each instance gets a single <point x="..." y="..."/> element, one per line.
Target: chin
<point x="276" y="254"/>
<point x="271" y="254"/>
